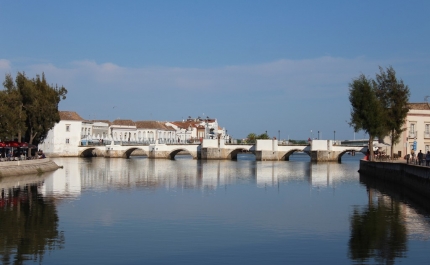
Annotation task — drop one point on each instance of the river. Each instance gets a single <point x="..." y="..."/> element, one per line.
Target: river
<point x="183" y="211"/>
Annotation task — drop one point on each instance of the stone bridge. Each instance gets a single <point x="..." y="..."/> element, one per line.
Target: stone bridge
<point x="264" y="150"/>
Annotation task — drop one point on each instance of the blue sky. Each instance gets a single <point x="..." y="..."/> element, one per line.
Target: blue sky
<point x="256" y="66"/>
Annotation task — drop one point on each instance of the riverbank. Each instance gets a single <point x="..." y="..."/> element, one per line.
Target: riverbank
<point x="25" y="167"/>
<point x="413" y="177"/>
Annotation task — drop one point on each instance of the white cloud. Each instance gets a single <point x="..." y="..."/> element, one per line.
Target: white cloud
<point x="4" y="64"/>
<point x="297" y="77"/>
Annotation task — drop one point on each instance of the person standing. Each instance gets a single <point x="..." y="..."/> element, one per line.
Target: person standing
<point x="428" y="158"/>
<point x="413" y="158"/>
<point x="420" y="157"/>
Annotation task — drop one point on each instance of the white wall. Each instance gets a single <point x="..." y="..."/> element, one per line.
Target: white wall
<point x="56" y="142"/>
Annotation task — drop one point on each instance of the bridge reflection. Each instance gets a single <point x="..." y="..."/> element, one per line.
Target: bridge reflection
<point x="100" y="173"/>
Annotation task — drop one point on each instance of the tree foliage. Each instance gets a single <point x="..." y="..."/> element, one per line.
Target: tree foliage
<point x="30" y="108"/>
<point x="366" y="113"/>
<point x="394" y="95"/>
<point x="379" y="107"/>
<point x="252" y="137"/>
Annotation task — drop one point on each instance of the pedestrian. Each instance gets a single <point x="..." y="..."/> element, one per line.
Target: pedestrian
<point x="428" y="158"/>
<point x="413" y="160"/>
<point x="420" y="158"/>
<point x="407" y="158"/>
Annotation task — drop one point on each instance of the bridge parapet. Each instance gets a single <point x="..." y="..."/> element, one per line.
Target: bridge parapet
<point x="214" y="149"/>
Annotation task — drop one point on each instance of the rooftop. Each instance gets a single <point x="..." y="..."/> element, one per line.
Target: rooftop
<point x="123" y="123"/>
<point x="419" y="106"/>
<point x="70" y="116"/>
<point x="153" y="125"/>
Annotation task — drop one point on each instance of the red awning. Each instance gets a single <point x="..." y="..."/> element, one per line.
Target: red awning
<point x="12" y="144"/>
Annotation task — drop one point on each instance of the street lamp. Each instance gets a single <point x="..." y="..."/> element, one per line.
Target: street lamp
<point x="334" y="136"/>
<point x="318" y="135"/>
<point x="279" y="135"/>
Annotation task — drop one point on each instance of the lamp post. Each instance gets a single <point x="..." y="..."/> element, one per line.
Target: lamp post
<point x="334" y="135"/>
<point x="279" y="135"/>
<point x="318" y="135"/>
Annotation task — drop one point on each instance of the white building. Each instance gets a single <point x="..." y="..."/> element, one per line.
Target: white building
<point x="151" y="131"/>
<point x="197" y="129"/>
<point x="417" y="129"/>
<point x="73" y="131"/>
<point x="65" y="137"/>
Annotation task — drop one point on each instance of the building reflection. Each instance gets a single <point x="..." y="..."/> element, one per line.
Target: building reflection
<point x="392" y="217"/>
<point x="29" y="221"/>
<point x="99" y="173"/>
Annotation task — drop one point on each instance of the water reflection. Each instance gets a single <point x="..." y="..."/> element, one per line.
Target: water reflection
<point x="29" y="222"/>
<point x="222" y="212"/>
<point x="380" y="231"/>
<point x="100" y="173"/>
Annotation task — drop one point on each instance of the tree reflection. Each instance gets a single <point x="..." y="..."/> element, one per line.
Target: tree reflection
<point x="28" y="226"/>
<point x="378" y="231"/>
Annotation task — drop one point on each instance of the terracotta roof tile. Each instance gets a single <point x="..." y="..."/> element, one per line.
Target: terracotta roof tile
<point x="186" y="124"/>
<point x="419" y="106"/>
<point x="123" y="122"/>
<point x="153" y="125"/>
<point x="70" y="116"/>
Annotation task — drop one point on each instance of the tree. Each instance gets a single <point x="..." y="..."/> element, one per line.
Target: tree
<point x="263" y="136"/>
<point x="367" y="112"/>
<point x="14" y="116"/>
<point x="34" y="108"/>
<point x="394" y="96"/>
<point x="251" y="138"/>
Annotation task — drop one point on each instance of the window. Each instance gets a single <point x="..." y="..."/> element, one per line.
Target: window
<point x="427" y="148"/>
<point x="412" y="132"/>
<point x="67" y="127"/>
<point x="67" y="141"/>
<point x="427" y="128"/>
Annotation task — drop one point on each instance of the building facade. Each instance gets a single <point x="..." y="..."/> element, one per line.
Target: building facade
<point x="416" y="134"/>
<point x="65" y="138"/>
<point x="73" y="131"/>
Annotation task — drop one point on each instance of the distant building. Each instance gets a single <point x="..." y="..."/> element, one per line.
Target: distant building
<point x="194" y="129"/>
<point x="73" y="131"/>
<point x="416" y="134"/>
<point x="151" y="131"/>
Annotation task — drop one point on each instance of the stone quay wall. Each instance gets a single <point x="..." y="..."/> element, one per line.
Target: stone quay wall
<point x="415" y="178"/>
<point x="25" y="167"/>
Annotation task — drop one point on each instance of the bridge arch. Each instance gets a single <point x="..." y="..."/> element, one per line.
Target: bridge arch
<point x="339" y="157"/>
<point x="286" y="156"/>
<point x="174" y="152"/>
<point x="89" y="152"/>
<point x="232" y="155"/>
<point x="128" y="152"/>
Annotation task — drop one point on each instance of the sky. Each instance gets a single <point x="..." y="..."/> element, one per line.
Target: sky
<point x="278" y="66"/>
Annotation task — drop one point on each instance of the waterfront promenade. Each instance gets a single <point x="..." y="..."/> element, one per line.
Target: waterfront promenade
<point x="415" y="178"/>
<point x="24" y="167"/>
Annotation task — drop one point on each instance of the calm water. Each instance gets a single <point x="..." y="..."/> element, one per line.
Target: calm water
<point x="141" y="211"/>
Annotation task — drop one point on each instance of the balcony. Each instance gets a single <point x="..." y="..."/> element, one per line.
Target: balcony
<point x="413" y="135"/>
